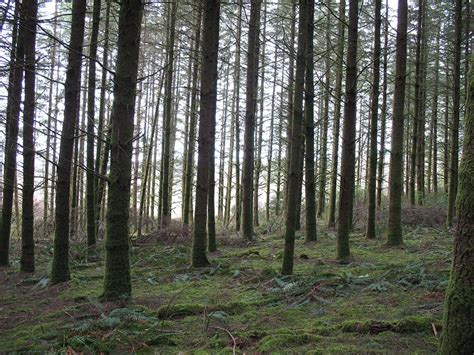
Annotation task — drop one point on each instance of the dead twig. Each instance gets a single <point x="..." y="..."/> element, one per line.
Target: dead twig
<point x="234" y="341"/>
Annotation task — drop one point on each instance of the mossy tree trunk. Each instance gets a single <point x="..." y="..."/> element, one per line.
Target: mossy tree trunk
<point x="458" y="325"/>
<point x="117" y="281"/>
<point x="60" y="268"/>
<point x="210" y="47"/>
<point x="349" y="138"/>
<point x="296" y="142"/>
<point x="374" y="110"/>
<point x="454" y="144"/>
<point x="396" y="155"/>
<point x="27" y="263"/>
<point x="251" y="103"/>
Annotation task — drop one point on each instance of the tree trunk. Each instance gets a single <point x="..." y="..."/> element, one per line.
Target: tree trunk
<point x="166" y="157"/>
<point x="458" y="328"/>
<point x="91" y="204"/>
<point x="117" y="280"/>
<point x="396" y="155"/>
<point x="310" y="185"/>
<point x="252" y="77"/>
<point x="323" y="162"/>
<point x="383" y="118"/>
<point x="60" y="268"/>
<point x="192" y="123"/>
<point x="337" y="113"/>
<point x="454" y="158"/>
<point x="210" y="47"/>
<point x="296" y="141"/>
<point x="374" y="110"/>
<point x="349" y="138"/>
<point x="13" y="115"/>
<point x="27" y="263"/>
<point x="238" y="197"/>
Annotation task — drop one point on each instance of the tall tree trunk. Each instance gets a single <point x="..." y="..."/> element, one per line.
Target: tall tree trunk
<point x="46" y="201"/>
<point x="296" y="140"/>
<point x="383" y="118"/>
<point x="271" y="138"/>
<point x="167" y="120"/>
<point x="396" y="154"/>
<point x="323" y="162"/>
<point x="117" y="280"/>
<point x="60" y="268"/>
<point x="374" y="110"/>
<point x="27" y="263"/>
<point x="252" y="79"/>
<point x="13" y="115"/>
<point x="310" y="185"/>
<point x="420" y="148"/>
<point x="349" y="137"/>
<point x="210" y="47"/>
<point x="337" y="113"/>
<point x="434" y="120"/>
<point x="258" y="160"/>
<point x="458" y="329"/>
<point x="192" y="123"/>
<point x="91" y="204"/>
<point x="100" y="125"/>
<point x="238" y="187"/>
<point x="454" y="154"/>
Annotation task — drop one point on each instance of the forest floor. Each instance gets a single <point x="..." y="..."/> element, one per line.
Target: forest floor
<point x="385" y="299"/>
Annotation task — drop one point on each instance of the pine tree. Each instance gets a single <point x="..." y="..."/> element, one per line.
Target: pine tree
<point x="27" y="263"/>
<point x="349" y="138"/>
<point x="396" y="153"/>
<point x="210" y="46"/>
<point x="60" y="268"/>
<point x="251" y="102"/>
<point x="458" y="328"/>
<point x="296" y="135"/>
<point x="374" y="108"/>
<point x="117" y="280"/>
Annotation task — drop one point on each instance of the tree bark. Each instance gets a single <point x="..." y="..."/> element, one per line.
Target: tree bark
<point x="296" y="141"/>
<point x="458" y="328"/>
<point x="60" y="268"/>
<point x="252" y="77"/>
<point x="27" y="262"/>
<point x="210" y="47"/>
<point x="374" y="110"/>
<point x="396" y="155"/>
<point x="349" y="138"/>
<point x="117" y="280"/>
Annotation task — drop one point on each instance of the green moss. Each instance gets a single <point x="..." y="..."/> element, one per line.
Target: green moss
<point x="287" y="339"/>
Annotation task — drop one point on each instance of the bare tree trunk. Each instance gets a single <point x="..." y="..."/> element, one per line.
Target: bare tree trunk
<point x="252" y="80"/>
<point x="60" y="268"/>
<point x="27" y="262"/>
<point x="454" y="159"/>
<point x="374" y="109"/>
<point x="210" y="47"/>
<point x="396" y="155"/>
<point x="383" y="118"/>
<point x="13" y="116"/>
<point x="349" y="137"/>
<point x="117" y="279"/>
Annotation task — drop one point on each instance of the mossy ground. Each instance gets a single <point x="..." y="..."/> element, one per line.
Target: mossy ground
<point x="384" y="299"/>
